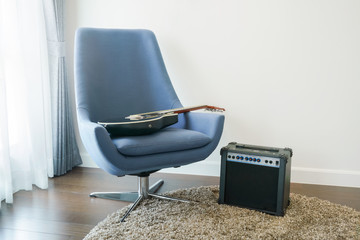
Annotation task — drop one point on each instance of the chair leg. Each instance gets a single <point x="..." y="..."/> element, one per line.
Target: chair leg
<point x="168" y="198"/>
<point x="156" y="186"/>
<point x="133" y="206"/>
<point x="126" y="196"/>
<point x="120" y="196"/>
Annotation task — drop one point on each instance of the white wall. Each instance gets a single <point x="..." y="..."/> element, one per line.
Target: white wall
<point x="288" y="72"/>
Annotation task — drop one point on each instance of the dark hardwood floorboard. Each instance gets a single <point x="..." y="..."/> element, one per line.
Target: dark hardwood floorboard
<point x="66" y="212"/>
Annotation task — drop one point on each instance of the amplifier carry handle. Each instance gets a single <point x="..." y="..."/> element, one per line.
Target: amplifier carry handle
<point x="251" y="147"/>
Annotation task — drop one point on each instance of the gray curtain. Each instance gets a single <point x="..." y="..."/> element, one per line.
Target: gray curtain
<point x="65" y="150"/>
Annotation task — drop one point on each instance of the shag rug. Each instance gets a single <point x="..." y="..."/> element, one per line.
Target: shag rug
<point x="305" y="218"/>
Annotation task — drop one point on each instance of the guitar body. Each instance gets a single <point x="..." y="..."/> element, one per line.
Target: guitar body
<point x="140" y="127"/>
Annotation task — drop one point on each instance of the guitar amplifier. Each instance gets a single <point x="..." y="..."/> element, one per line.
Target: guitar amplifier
<point x="255" y="177"/>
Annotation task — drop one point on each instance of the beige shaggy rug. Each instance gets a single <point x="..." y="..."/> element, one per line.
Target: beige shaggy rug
<point x="305" y="218"/>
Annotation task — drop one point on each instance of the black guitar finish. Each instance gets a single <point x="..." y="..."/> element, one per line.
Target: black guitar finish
<point x="140" y="127"/>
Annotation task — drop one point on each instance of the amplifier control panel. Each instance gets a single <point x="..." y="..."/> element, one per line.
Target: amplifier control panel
<point x="253" y="159"/>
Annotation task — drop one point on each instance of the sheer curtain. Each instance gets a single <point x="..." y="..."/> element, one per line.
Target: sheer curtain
<point x="25" y="114"/>
<point x="65" y="150"/>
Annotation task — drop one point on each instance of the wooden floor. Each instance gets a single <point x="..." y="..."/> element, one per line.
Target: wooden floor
<point x="65" y="211"/>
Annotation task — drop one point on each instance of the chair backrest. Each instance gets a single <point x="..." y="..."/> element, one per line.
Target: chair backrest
<point x="120" y="72"/>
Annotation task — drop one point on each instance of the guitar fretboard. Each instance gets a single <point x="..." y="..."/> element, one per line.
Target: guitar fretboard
<point x="141" y="116"/>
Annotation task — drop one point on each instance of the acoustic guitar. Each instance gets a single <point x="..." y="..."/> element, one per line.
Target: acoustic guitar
<point x="150" y="122"/>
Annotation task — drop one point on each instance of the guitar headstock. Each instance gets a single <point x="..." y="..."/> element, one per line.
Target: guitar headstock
<point x="214" y="109"/>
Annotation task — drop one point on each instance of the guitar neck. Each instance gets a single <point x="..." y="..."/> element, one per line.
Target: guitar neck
<point x="182" y="110"/>
<point x="172" y="111"/>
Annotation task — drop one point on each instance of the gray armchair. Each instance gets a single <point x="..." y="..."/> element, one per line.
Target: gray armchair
<point x="121" y="72"/>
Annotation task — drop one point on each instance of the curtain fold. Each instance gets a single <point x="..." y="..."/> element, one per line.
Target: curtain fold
<point x="25" y="118"/>
<point x="65" y="150"/>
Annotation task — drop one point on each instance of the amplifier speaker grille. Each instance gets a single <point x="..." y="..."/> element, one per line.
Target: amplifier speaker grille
<point x="251" y="186"/>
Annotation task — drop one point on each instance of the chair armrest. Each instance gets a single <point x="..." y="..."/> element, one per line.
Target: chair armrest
<point x="91" y="132"/>
<point x="210" y="124"/>
<point x="100" y="147"/>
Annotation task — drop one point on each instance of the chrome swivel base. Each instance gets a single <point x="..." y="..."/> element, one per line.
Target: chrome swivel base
<point x="144" y="191"/>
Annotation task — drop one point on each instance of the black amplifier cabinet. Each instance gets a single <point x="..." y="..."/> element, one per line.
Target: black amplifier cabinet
<point x="255" y="177"/>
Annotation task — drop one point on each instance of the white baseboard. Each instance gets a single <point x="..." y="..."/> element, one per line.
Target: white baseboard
<point x="87" y="161"/>
<point x="343" y="178"/>
<point x="318" y="176"/>
<point x="204" y="168"/>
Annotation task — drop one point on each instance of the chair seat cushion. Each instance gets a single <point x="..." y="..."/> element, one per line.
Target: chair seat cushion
<point x="166" y="140"/>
